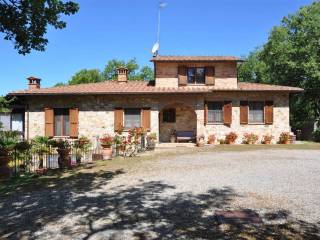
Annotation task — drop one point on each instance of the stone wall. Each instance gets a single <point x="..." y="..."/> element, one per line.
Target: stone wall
<point x="96" y="112"/>
<point x="225" y="73"/>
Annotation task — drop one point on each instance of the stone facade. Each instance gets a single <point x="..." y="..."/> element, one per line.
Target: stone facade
<point x="225" y="73"/>
<point x="96" y="115"/>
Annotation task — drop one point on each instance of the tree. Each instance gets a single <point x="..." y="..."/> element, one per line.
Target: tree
<point x="110" y="69"/>
<point x="253" y="69"/>
<point x="25" y="22"/>
<point x="145" y="73"/>
<point x="291" y="56"/>
<point x="86" y="76"/>
<point x="4" y="104"/>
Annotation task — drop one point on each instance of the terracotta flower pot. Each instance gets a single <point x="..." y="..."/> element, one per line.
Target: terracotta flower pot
<point x="106" y="153"/>
<point x="64" y="159"/>
<point x="267" y="142"/>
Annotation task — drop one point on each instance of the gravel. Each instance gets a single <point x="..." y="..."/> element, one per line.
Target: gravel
<point x="175" y="197"/>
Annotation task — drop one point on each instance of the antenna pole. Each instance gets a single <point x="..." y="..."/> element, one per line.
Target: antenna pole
<point x="158" y="33"/>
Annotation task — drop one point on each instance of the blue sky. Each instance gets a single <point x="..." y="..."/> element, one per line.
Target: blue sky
<point x="123" y="29"/>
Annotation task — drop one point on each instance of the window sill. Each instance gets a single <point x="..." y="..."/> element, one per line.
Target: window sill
<point x="217" y="123"/>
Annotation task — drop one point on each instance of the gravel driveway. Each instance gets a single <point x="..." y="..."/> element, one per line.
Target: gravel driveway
<point x="177" y="197"/>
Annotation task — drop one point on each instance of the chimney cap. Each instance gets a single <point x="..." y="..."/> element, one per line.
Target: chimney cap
<point x="31" y="78"/>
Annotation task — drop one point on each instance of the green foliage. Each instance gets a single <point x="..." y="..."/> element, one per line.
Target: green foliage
<point x="110" y="72"/>
<point x="40" y="145"/>
<point x="291" y="57"/>
<point x="60" y="84"/>
<point x="26" y="22"/>
<point x="4" y="104"/>
<point x="316" y="135"/>
<point x="86" y="76"/>
<point x="145" y="73"/>
<point x="8" y="140"/>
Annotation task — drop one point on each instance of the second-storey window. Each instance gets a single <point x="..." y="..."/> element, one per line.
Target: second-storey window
<point x="256" y="112"/>
<point x="196" y="75"/>
<point x="132" y="118"/>
<point x="61" y="122"/>
<point x="215" y="112"/>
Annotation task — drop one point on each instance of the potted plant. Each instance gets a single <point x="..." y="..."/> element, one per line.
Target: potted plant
<point x="250" y="138"/>
<point x="211" y="139"/>
<point x="8" y="141"/>
<point x="284" y="138"/>
<point x="40" y="146"/>
<point x="81" y="145"/>
<point x="151" y="141"/>
<point x="22" y="150"/>
<point x="200" y="141"/>
<point x="231" y="138"/>
<point x="266" y="139"/>
<point x="173" y="136"/>
<point x="221" y="141"/>
<point x="106" y="142"/>
<point x="63" y="149"/>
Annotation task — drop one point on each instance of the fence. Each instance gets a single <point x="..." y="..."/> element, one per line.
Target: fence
<point x="47" y="158"/>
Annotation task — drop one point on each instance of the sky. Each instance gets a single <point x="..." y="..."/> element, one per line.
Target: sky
<point x="123" y="29"/>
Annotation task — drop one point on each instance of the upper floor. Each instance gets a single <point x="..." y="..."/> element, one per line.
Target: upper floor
<point x="174" y="71"/>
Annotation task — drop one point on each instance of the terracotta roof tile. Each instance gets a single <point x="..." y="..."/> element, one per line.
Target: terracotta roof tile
<point x="142" y="87"/>
<point x="194" y="58"/>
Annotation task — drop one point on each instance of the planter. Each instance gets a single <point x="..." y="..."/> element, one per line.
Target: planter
<point x="41" y="171"/>
<point x="230" y="142"/>
<point x="267" y="142"/>
<point x="106" y="153"/>
<point x="151" y="145"/>
<point x="200" y="142"/>
<point x="64" y="159"/>
<point x="172" y="138"/>
<point x="4" y="166"/>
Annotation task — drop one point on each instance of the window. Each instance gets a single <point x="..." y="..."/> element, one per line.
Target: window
<point x="5" y="121"/>
<point x="132" y="118"/>
<point x="169" y="115"/>
<point x="256" y="112"/>
<point x="215" y="112"/>
<point x="61" y="122"/>
<point x="196" y="75"/>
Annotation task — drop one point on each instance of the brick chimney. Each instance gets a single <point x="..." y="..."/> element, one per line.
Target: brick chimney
<point x="122" y="73"/>
<point x="34" y="83"/>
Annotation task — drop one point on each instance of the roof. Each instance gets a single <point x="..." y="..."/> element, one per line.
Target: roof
<point x="143" y="87"/>
<point x="194" y="58"/>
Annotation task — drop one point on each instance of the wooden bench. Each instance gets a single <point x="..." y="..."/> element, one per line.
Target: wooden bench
<point x="185" y="136"/>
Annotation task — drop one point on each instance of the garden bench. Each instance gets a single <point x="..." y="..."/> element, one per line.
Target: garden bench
<point x="185" y="136"/>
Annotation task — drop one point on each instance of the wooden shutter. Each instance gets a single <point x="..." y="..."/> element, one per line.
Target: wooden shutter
<point x="118" y="119"/>
<point x="146" y="118"/>
<point x="74" y="122"/>
<point x="244" y="110"/>
<point x="205" y="113"/>
<point x="209" y="75"/>
<point x="182" y="75"/>
<point x="227" y="112"/>
<point x="49" y="122"/>
<point x="268" y="112"/>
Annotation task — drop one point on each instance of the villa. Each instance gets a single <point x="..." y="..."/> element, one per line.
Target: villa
<point x="194" y="95"/>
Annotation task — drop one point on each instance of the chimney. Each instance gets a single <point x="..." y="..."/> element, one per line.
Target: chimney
<point x="34" y="83"/>
<point x="122" y="73"/>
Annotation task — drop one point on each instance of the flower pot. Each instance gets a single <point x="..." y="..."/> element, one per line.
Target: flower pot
<point x="151" y="145"/>
<point x="267" y="141"/>
<point x="64" y="159"/>
<point x="230" y="142"/>
<point x="200" y="142"/>
<point x="106" y="153"/>
<point x="172" y="138"/>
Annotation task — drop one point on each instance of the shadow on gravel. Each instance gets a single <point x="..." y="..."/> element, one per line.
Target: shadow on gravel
<point x="140" y="212"/>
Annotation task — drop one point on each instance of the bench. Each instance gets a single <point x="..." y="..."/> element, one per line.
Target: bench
<point x="185" y="136"/>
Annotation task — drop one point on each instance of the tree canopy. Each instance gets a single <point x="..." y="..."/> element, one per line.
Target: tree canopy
<point x="291" y="56"/>
<point x="109" y="73"/>
<point x="26" y="22"/>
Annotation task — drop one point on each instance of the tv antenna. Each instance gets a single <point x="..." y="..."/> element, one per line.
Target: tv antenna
<point x="156" y="46"/>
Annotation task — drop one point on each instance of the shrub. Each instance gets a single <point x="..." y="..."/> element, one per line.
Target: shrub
<point x="267" y="138"/>
<point x="284" y="137"/>
<point x="316" y="135"/>
<point x="250" y="138"/>
<point x="152" y="136"/>
<point x="211" y="139"/>
<point x="106" y="140"/>
<point x="231" y="138"/>
<point x="60" y="144"/>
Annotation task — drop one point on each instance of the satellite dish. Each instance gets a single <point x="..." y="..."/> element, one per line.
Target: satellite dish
<point x="155" y="49"/>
